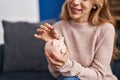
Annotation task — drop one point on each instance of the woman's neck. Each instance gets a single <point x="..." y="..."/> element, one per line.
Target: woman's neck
<point x="81" y="20"/>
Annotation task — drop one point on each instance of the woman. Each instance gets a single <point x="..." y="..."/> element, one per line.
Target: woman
<point x="87" y="27"/>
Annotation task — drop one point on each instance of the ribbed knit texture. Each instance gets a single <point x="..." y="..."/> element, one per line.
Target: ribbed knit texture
<point x="90" y="50"/>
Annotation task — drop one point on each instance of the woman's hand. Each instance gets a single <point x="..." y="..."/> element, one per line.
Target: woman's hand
<point x="55" y="60"/>
<point x="46" y="32"/>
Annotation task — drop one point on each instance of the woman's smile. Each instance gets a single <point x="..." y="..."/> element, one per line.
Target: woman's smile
<point x="75" y="10"/>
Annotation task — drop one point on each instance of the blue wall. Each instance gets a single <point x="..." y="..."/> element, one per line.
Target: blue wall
<point x="50" y="9"/>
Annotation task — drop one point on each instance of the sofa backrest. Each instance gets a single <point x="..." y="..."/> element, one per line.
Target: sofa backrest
<point x="22" y="51"/>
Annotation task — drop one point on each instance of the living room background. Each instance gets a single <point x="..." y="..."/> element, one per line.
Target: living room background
<point x="28" y="10"/>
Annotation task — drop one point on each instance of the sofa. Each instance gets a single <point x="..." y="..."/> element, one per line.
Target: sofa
<point x="22" y="56"/>
<point x="115" y="64"/>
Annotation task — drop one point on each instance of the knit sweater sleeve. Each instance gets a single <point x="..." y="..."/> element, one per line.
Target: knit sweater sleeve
<point x="55" y="73"/>
<point x="102" y="58"/>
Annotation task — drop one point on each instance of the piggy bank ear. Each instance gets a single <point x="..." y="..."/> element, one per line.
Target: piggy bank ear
<point x="53" y="42"/>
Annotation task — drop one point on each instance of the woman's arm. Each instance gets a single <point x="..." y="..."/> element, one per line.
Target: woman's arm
<point x="101" y="62"/>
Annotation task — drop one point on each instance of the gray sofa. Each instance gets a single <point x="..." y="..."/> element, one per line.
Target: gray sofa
<point x="22" y="55"/>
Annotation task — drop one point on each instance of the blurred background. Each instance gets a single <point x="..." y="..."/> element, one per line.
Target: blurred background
<point x="38" y="10"/>
<point x="28" y="10"/>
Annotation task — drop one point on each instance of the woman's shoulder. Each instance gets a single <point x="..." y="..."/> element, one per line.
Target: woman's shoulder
<point x="106" y="27"/>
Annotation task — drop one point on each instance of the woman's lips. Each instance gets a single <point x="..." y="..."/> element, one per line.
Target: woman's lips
<point x="75" y="10"/>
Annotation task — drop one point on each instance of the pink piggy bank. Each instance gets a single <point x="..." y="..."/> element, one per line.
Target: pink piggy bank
<point x="56" y="45"/>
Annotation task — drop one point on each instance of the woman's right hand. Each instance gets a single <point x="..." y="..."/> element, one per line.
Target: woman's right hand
<point x="46" y="32"/>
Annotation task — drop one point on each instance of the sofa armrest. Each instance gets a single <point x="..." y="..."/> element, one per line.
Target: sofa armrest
<point x="115" y="66"/>
<point x="1" y="56"/>
<point x="1" y="48"/>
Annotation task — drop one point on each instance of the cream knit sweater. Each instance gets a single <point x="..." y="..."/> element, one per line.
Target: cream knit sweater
<point x="90" y="50"/>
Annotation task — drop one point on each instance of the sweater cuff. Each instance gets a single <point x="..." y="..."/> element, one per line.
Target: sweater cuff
<point x="66" y="67"/>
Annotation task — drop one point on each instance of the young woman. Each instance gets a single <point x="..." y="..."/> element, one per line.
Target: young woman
<point x="87" y="27"/>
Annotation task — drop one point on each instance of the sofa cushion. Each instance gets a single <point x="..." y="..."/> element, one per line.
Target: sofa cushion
<point x="115" y="66"/>
<point x="22" y="52"/>
<point x="43" y="75"/>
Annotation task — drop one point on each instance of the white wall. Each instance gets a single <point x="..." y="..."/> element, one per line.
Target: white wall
<point x="18" y="10"/>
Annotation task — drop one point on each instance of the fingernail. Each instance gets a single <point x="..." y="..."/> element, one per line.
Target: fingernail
<point x="38" y="29"/>
<point x="41" y="26"/>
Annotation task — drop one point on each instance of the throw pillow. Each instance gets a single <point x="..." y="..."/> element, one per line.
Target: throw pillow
<point x="23" y="52"/>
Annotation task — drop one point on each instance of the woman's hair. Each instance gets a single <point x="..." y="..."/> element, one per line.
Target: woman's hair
<point x="116" y="51"/>
<point x="101" y="14"/>
<point x="64" y="13"/>
<point x="97" y="16"/>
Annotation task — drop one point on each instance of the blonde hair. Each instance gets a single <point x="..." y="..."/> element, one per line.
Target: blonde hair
<point x="97" y="16"/>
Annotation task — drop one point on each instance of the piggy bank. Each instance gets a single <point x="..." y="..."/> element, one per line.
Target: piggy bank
<point x="56" y="45"/>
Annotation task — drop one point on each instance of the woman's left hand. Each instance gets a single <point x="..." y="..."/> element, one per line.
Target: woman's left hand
<point x="55" y="60"/>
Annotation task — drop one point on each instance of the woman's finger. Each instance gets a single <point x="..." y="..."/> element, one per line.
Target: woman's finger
<point x="49" y="26"/>
<point x="65" y="54"/>
<point x="58" y="58"/>
<point x="55" y="33"/>
<point x="62" y="58"/>
<point x="45" y="28"/>
<point x="52" y="60"/>
<point x="37" y="36"/>
<point x="40" y="31"/>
